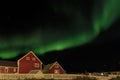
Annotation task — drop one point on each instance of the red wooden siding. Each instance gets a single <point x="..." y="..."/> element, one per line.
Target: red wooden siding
<point x="9" y="69"/>
<point x="28" y="63"/>
<point x="56" y="69"/>
<point x="25" y="66"/>
<point x="2" y="69"/>
<point x="12" y="69"/>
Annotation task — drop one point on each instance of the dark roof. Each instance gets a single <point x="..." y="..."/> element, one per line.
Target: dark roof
<point x="8" y="63"/>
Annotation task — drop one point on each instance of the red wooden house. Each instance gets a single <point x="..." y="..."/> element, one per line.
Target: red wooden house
<point x="8" y="67"/>
<point x="54" y="68"/>
<point x="29" y="62"/>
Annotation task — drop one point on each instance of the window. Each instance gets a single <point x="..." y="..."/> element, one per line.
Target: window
<point x="33" y="59"/>
<point x="14" y="70"/>
<point x="56" y="66"/>
<point x="36" y="65"/>
<point x="56" y="71"/>
<point x="6" y="69"/>
<point x="27" y="58"/>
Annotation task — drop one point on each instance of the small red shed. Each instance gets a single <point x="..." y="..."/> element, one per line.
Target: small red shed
<point x="54" y="68"/>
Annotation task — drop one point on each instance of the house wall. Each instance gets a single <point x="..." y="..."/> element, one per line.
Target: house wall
<point x="52" y="70"/>
<point x="25" y="66"/>
<point x="10" y="69"/>
<point x="2" y="69"/>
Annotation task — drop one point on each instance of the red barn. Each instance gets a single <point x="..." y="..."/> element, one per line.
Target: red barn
<point x="8" y="67"/>
<point x="29" y="62"/>
<point x="54" y="68"/>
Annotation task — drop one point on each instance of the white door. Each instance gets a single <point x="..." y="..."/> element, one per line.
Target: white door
<point x="56" y="71"/>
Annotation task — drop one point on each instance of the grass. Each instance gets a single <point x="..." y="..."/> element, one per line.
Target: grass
<point x="117" y="78"/>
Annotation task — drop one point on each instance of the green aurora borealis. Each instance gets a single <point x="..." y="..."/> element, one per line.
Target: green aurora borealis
<point x="78" y="30"/>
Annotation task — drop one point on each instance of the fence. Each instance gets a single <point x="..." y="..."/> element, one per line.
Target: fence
<point x="73" y="76"/>
<point x="62" y="76"/>
<point x="50" y="76"/>
<point x="20" y="76"/>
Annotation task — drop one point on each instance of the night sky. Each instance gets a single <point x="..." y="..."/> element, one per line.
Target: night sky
<point x="82" y="35"/>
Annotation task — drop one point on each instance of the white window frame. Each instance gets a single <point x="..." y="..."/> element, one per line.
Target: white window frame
<point x="36" y="65"/>
<point x="6" y="69"/>
<point x="14" y="70"/>
<point x="33" y="59"/>
<point x="27" y="58"/>
<point x="56" y="66"/>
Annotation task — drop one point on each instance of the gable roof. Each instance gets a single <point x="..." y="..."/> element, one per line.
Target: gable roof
<point x="49" y="66"/>
<point x="8" y="63"/>
<point x="30" y="53"/>
<point x="55" y="64"/>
